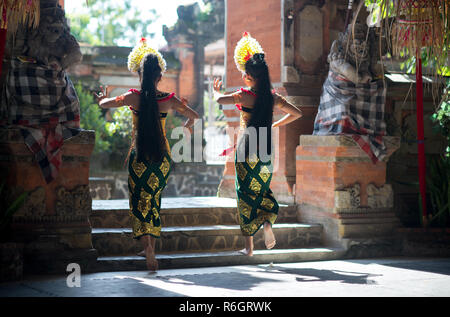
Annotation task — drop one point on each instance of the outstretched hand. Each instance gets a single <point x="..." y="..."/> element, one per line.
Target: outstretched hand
<point x="101" y="95"/>
<point x="217" y="85"/>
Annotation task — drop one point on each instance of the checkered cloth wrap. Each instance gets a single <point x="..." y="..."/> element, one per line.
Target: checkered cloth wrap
<point x="43" y="104"/>
<point x="358" y="110"/>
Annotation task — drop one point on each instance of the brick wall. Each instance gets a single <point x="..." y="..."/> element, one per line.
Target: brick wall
<point x="186" y="79"/>
<point x="169" y="82"/>
<point x="262" y="20"/>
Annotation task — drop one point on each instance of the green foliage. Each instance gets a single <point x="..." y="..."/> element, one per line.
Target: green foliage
<point x="433" y="62"/>
<point x="120" y="132"/>
<point x="438" y="188"/>
<point x="379" y="9"/>
<point x="121" y="125"/>
<point x="441" y="118"/>
<point x="370" y="2"/>
<point x="120" y="129"/>
<point x="438" y="169"/>
<point x="108" y="23"/>
<point x="91" y="118"/>
<point x="79" y="28"/>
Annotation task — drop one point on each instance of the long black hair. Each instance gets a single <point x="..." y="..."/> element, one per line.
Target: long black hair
<point x="150" y="137"/>
<point x="262" y="112"/>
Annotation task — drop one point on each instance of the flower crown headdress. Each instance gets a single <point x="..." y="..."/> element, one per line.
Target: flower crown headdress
<point x="245" y="49"/>
<point x="139" y="51"/>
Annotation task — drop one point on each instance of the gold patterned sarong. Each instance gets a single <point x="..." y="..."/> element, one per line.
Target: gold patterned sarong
<point x="256" y="203"/>
<point x="146" y="181"/>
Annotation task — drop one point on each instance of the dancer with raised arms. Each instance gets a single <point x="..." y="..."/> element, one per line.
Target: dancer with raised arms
<point x="256" y="203"/>
<point x="149" y="160"/>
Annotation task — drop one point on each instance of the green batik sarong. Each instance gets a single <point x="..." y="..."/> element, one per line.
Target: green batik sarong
<point x="256" y="203"/>
<point x="146" y="181"/>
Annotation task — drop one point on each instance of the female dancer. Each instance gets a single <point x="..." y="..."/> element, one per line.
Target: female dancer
<point x="256" y="203"/>
<point x="149" y="162"/>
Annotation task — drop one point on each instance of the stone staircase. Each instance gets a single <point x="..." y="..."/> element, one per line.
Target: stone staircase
<point x="200" y="232"/>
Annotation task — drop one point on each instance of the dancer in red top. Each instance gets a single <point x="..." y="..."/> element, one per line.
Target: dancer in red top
<point x="257" y="205"/>
<point x="149" y="162"/>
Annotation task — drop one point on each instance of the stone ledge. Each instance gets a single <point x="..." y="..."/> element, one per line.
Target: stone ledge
<point x="342" y="140"/>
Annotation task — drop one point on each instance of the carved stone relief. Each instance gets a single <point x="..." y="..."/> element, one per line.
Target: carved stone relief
<point x="348" y="197"/>
<point x="71" y="205"/>
<point x="380" y="197"/>
<point x="377" y="197"/>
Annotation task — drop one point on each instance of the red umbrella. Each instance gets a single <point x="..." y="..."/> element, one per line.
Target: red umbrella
<point x="419" y="25"/>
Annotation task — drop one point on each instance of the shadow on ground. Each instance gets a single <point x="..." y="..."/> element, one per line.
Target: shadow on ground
<point x="246" y="281"/>
<point x="320" y="275"/>
<point x="228" y="280"/>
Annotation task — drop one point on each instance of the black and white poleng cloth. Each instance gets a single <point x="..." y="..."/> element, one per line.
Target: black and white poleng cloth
<point x="356" y="110"/>
<point x="43" y="104"/>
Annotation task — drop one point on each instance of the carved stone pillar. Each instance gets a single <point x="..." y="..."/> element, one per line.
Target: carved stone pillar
<point x="53" y="222"/>
<point x="337" y="185"/>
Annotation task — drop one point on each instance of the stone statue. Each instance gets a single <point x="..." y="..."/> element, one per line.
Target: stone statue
<point x="356" y="57"/>
<point x="38" y="96"/>
<point x="51" y="43"/>
<point x="353" y="95"/>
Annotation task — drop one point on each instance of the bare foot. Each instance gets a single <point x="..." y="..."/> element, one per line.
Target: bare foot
<point x="142" y="253"/>
<point x="269" y="237"/>
<point x="152" y="264"/>
<point x="246" y="252"/>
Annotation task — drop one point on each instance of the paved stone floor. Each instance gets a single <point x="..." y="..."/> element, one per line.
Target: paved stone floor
<point x="387" y="277"/>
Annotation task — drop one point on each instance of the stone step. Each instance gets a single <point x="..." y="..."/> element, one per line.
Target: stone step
<point x="192" y="211"/>
<point x="119" y="241"/>
<point x="224" y="258"/>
